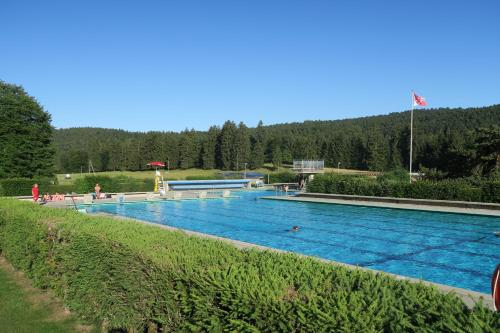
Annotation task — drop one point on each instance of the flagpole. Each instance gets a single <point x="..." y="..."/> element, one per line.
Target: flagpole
<point x="411" y="131"/>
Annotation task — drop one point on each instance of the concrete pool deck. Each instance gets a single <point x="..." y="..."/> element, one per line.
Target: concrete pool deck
<point x="70" y="201"/>
<point x="469" y="297"/>
<point x="442" y="206"/>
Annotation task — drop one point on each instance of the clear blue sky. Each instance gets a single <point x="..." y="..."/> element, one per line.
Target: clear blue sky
<point x="170" y="65"/>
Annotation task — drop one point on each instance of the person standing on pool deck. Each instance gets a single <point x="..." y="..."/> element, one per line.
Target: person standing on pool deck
<point x="97" y="190"/>
<point x="35" y="192"/>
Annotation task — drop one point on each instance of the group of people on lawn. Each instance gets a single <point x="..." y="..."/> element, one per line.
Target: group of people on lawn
<point x="35" y="192"/>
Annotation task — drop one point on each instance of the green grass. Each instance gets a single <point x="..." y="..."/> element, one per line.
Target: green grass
<point x="182" y="174"/>
<point x="18" y="314"/>
<point x="149" y="174"/>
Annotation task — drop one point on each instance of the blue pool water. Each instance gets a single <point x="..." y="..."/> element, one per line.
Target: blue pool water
<point x="453" y="249"/>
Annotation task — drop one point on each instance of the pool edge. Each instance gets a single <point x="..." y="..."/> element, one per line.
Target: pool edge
<point x="403" y="206"/>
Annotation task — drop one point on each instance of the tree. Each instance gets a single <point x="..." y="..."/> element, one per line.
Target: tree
<point x="487" y="148"/>
<point x="258" y="149"/>
<point x="74" y="161"/>
<point x="377" y="153"/>
<point x="187" y="153"/>
<point x="25" y="135"/>
<point x="226" y="142"/>
<point x="242" y="145"/>
<point x="277" y="157"/>
<point x="209" y="149"/>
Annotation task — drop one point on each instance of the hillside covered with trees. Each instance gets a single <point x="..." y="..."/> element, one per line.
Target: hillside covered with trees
<point x="441" y="138"/>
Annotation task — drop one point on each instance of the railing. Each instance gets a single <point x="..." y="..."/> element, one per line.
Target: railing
<point x="308" y="165"/>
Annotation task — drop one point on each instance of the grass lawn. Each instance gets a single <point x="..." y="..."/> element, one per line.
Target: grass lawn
<point x="24" y="309"/>
<point x="182" y="174"/>
<point x="172" y="174"/>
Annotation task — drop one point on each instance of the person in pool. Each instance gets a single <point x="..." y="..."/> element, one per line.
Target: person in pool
<point x="295" y="228"/>
<point x="497" y="233"/>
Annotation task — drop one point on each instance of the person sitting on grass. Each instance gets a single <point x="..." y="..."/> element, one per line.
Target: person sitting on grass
<point x="46" y="197"/>
<point x="58" y="197"/>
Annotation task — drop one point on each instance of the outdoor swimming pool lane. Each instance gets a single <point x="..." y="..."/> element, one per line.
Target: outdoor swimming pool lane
<point x="453" y="249"/>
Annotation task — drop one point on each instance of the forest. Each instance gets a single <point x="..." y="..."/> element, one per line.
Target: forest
<point x="442" y="140"/>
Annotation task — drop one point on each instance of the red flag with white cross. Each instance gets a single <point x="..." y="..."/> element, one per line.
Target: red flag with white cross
<point x="418" y="100"/>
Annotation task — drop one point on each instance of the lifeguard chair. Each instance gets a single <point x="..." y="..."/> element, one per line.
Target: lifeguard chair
<point x="159" y="182"/>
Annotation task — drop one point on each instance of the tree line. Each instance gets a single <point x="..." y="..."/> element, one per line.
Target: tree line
<point x="441" y="138"/>
<point x="447" y="143"/>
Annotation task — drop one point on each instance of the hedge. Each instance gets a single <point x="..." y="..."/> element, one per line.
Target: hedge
<point x="133" y="276"/>
<point x="22" y="186"/>
<point x="451" y="189"/>
<point x="203" y="177"/>
<point x="113" y="184"/>
<point x="283" y="177"/>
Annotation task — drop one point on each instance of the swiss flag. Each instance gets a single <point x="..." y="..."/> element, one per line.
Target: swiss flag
<point x="418" y="100"/>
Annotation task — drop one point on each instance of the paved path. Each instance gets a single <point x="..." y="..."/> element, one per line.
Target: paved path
<point x="416" y="206"/>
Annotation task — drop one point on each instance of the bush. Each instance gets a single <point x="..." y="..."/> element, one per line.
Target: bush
<point x="113" y="184"/>
<point x="449" y="189"/>
<point x="131" y="275"/>
<point x="22" y="186"/>
<point x="61" y="188"/>
<point x="201" y="177"/>
<point x="283" y="177"/>
<point x="398" y="175"/>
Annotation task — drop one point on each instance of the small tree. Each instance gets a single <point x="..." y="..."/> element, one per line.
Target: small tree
<point x="487" y="148"/>
<point x="25" y="135"/>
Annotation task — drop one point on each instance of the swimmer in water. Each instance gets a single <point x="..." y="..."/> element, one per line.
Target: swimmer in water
<point x="295" y="228"/>
<point x="497" y="233"/>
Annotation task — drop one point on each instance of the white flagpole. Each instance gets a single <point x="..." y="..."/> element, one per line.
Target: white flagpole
<point x="411" y="130"/>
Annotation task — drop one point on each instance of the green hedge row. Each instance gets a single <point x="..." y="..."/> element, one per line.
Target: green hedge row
<point x="130" y="275"/>
<point x="452" y="189"/>
<point x="283" y="177"/>
<point x="203" y="177"/>
<point x="113" y="184"/>
<point x="22" y="186"/>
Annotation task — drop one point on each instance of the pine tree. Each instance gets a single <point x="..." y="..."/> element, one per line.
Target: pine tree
<point x="376" y="159"/>
<point x="209" y="149"/>
<point x="227" y="148"/>
<point x="187" y="151"/>
<point x="242" y="145"/>
<point x="487" y="148"/>
<point x="277" y="157"/>
<point x="258" y="148"/>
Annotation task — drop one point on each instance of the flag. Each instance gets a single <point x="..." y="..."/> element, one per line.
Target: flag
<point x="418" y="100"/>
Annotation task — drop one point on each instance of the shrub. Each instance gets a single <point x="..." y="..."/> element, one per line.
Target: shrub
<point x="201" y="177"/>
<point x="449" y="189"/>
<point x="113" y="184"/>
<point x="398" y="175"/>
<point x="491" y="191"/>
<point x="61" y="188"/>
<point x="283" y="177"/>
<point x="131" y="275"/>
<point x="22" y="186"/>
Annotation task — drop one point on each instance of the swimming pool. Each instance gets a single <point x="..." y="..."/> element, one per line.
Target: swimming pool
<point x="453" y="249"/>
